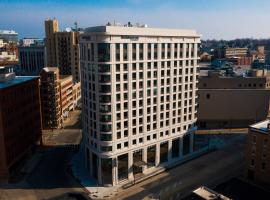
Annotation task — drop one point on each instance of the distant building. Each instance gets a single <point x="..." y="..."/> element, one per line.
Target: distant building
<point x="20" y="118"/>
<point x="59" y="95"/>
<point x="31" y="57"/>
<point x="63" y="49"/>
<point x="241" y="61"/>
<point x="258" y="54"/>
<point x="31" y="41"/>
<point x="233" y="101"/>
<point x="9" y="36"/>
<point x="205" y="57"/>
<point x="51" y="27"/>
<point x="8" y="53"/>
<point x="66" y="95"/>
<point x="50" y="98"/>
<point x="226" y="52"/>
<point x="258" y="154"/>
<point x="139" y="97"/>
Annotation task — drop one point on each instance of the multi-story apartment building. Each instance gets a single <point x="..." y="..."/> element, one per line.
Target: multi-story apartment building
<point x="51" y="27"/>
<point x="257" y="153"/>
<point x="32" y="58"/>
<point x="50" y="97"/>
<point x="67" y="53"/>
<point x="227" y="52"/>
<point x="227" y="100"/>
<point x="63" y="49"/>
<point x="8" y="53"/>
<point x="66" y="94"/>
<point x="139" y="97"/>
<point x="59" y="95"/>
<point x="20" y="118"/>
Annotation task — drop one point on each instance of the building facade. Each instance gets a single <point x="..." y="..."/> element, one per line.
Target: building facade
<point x="62" y="49"/>
<point x="51" y="27"/>
<point x="257" y="153"/>
<point x="31" y="59"/>
<point x="59" y="96"/>
<point x="233" y="101"/>
<point x="139" y="97"/>
<point x="67" y="54"/>
<point x="50" y="98"/>
<point x="20" y="126"/>
<point x="66" y="95"/>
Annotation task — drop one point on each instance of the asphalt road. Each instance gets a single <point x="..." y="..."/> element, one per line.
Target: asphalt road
<point x="49" y="178"/>
<point x="209" y="170"/>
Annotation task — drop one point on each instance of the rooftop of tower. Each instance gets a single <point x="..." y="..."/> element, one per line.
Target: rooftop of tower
<point x="140" y="31"/>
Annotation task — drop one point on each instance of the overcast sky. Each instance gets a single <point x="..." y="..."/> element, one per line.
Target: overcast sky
<point x="214" y="19"/>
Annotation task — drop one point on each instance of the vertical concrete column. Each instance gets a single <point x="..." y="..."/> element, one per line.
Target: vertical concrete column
<point x="170" y="150"/>
<point x="99" y="172"/>
<point x="144" y="157"/>
<point x="130" y="166"/>
<point x="157" y="153"/>
<point x="114" y="171"/>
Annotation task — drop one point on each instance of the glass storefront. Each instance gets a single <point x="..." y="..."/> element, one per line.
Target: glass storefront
<point x="137" y="157"/>
<point x="186" y="144"/>
<point x="163" y="152"/>
<point x="151" y="156"/>
<point x="106" y="168"/>
<point x="123" y="167"/>
<point x="175" y="148"/>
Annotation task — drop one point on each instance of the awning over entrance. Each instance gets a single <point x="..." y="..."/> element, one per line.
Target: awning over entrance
<point x="139" y="163"/>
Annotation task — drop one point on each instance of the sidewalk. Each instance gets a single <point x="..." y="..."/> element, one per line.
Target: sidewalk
<point x="83" y="177"/>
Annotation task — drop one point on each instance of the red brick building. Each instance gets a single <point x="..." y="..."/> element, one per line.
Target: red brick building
<point x="20" y="119"/>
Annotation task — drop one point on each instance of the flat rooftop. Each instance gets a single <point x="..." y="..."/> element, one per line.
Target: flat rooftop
<point x="208" y="194"/>
<point x="261" y="126"/>
<point x="16" y="81"/>
<point x="141" y="31"/>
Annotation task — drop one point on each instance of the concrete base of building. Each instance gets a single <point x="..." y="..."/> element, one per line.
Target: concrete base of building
<point x="129" y="166"/>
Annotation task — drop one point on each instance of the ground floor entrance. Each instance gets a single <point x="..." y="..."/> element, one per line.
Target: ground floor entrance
<point x="136" y="163"/>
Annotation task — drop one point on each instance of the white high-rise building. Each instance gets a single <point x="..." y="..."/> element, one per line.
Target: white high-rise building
<point x="139" y="96"/>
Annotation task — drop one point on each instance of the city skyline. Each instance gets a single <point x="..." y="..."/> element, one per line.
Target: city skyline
<point x="26" y="17"/>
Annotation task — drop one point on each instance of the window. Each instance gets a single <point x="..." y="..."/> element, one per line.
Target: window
<point x="175" y="148"/>
<point x="103" y="52"/>
<point x="126" y="144"/>
<point x="151" y="156"/>
<point x="163" y="152"/>
<point x="106" y="148"/>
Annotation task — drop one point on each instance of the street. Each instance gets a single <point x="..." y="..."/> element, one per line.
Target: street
<point x="209" y="170"/>
<point x="50" y="178"/>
